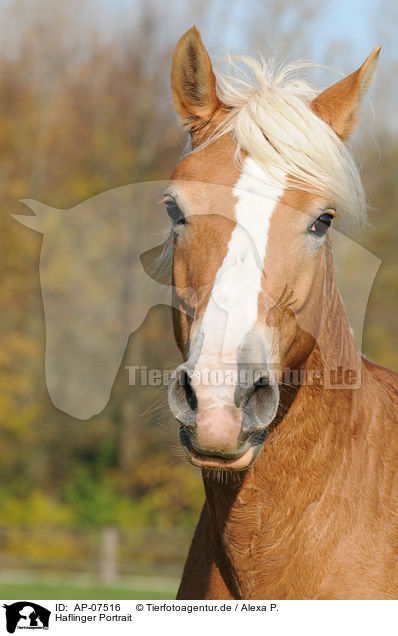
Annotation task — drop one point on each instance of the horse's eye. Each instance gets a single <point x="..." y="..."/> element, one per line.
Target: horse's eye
<point x="321" y="225"/>
<point x="174" y="212"/>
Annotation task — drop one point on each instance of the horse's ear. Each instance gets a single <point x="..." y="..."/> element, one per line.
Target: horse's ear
<point x="193" y="82"/>
<point x="339" y="105"/>
<point x="42" y="213"/>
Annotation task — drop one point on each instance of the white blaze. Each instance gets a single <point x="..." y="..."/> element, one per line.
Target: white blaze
<point x="233" y="304"/>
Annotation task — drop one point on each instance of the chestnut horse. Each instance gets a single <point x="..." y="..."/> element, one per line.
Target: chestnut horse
<point x="300" y="478"/>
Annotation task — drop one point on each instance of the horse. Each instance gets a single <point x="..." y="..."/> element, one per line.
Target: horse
<point x="300" y="478"/>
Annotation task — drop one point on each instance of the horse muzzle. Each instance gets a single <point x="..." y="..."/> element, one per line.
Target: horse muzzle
<point x="223" y="427"/>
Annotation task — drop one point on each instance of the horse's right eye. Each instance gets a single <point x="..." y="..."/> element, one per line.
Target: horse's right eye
<point x="174" y="212"/>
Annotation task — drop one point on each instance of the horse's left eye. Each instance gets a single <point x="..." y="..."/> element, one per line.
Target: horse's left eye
<point x="321" y="225"/>
<point x="174" y="212"/>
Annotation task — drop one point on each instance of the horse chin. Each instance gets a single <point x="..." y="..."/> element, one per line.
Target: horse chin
<point x="236" y="461"/>
<point x="242" y="462"/>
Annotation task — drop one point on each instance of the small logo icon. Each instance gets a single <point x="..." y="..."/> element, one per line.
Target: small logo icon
<point x="26" y="615"/>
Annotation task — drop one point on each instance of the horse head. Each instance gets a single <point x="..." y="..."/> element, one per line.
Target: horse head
<point x="251" y="207"/>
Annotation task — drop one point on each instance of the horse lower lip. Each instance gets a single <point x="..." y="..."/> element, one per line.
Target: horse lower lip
<point x="212" y="461"/>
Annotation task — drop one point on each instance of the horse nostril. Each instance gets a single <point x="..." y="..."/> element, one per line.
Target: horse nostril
<point x="190" y="395"/>
<point x="247" y="394"/>
<point x="262" y="382"/>
<point x="258" y="401"/>
<point x="182" y="398"/>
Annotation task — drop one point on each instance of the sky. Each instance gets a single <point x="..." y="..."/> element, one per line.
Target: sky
<point x="341" y="36"/>
<point x="357" y="22"/>
<point x="350" y="20"/>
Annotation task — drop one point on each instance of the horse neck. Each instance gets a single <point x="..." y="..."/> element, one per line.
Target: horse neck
<point x="306" y="448"/>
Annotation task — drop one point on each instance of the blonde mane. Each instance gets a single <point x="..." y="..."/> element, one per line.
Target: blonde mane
<point x="270" y="120"/>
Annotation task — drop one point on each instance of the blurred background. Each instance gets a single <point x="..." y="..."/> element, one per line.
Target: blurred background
<point x="105" y="508"/>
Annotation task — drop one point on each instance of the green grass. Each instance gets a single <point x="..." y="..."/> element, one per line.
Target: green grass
<point x="37" y="589"/>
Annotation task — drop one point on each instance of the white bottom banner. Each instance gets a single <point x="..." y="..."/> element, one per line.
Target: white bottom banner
<point x="193" y="617"/>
